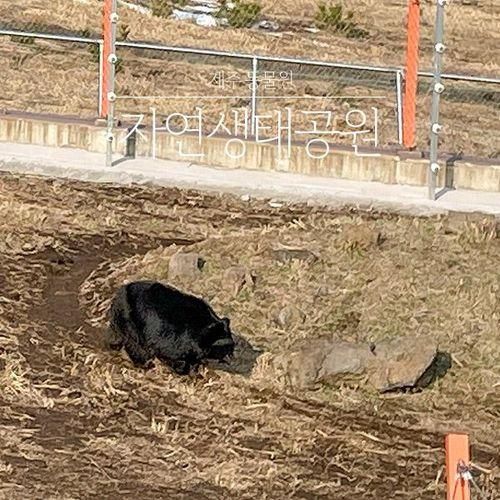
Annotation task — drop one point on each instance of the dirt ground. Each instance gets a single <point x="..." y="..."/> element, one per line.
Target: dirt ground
<point x="77" y="421"/>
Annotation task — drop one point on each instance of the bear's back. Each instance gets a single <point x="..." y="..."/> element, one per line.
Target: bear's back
<point x="151" y="299"/>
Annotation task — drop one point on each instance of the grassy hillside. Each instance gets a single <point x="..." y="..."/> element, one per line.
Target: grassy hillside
<point x="472" y="30"/>
<point x="79" y="422"/>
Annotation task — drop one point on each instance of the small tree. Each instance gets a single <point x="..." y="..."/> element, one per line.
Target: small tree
<point x="163" y="8"/>
<point x="242" y="15"/>
<point x="334" y="18"/>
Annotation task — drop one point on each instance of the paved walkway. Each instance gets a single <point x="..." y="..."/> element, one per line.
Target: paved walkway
<point x="82" y="165"/>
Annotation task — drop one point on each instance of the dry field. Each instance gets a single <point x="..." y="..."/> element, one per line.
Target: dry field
<point x="472" y="30"/>
<point x="79" y="422"/>
<point x="54" y="78"/>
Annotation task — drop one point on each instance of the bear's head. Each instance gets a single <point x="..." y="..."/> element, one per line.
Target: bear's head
<point x="217" y="340"/>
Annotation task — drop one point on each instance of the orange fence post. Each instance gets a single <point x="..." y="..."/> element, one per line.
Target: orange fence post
<point x="457" y="456"/>
<point x="105" y="53"/>
<point x="411" y="74"/>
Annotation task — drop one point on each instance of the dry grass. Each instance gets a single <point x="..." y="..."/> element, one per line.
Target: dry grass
<point x="78" y="422"/>
<point x="358" y="290"/>
<point x="384" y="20"/>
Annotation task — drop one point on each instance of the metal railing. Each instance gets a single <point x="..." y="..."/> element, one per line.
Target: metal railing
<point x="351" y="71"/>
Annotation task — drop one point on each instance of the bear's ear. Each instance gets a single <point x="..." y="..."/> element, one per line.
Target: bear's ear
<point x="226" y="323"/>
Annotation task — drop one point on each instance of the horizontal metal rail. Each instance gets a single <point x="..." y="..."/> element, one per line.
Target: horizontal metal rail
<point x="236" y="55"/>
<point x="50" y="36"/>
<point x="250" y="57"/>
<point x="465" y="78"/>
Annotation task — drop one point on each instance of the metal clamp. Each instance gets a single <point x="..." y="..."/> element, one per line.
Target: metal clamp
<point x="438" y="88"/>
<point x="436" y="128"/>
<point x="463" y="471"/>
<point x="440" y="48"/>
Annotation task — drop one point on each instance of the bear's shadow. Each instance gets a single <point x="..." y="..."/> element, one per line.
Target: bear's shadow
<point x="243" y="360"/>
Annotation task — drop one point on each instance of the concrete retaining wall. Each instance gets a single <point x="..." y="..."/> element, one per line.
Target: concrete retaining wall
<point x="387" y="167"/>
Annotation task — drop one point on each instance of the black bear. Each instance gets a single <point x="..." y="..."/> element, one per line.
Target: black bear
<point x="151" y="320"/>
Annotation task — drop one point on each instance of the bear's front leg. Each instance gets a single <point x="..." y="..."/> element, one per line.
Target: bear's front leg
<point x="113" y="339"/>
<point x="138" y="355"/>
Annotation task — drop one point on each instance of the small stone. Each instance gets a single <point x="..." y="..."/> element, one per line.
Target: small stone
<point x="245" y="198"/>
<point x="361" y="237"/>
<point x="289" y="316"/>
<point x="288" y="254"/>
<point x="185" y="265"/>
<point x="275" y="204"/>
<point x="238" y="277"/>
<point x="268" y="25"/>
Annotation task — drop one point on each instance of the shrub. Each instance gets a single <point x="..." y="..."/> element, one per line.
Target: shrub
<point x="242" y="15"/>
<point x="18" y="60"/>
<point x="163" y="8"/>
<point x="24" y="40"/>
<point x="119" y="66"/>
<point x="124" y="31"/>
<point x="334" y="18"/>
<point x="92" y="48"/>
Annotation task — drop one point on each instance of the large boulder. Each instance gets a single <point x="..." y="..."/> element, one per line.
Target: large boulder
<point x="321" y="361"/>
<point x="400" y="363"/>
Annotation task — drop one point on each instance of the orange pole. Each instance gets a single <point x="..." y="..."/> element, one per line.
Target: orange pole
<point x="411" y="74"/>
<point x="106" y="51"/>
<point x="457" y="453"/>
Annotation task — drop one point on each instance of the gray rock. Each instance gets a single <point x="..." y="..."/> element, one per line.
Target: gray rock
<point x="238" y="277"/>
<point x="401" y="363"/>
<point x="322" y="361"/>
<point x="185" y="265"/>
<point x="200" y="8"/>
<point x="267" y="25"/>
<point x="288" y="254"/>
<point x="290" y="315"/>
<point x="344" y="360"/>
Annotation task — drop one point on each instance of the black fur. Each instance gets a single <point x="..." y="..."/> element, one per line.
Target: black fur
<point x="151" y="320"/>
